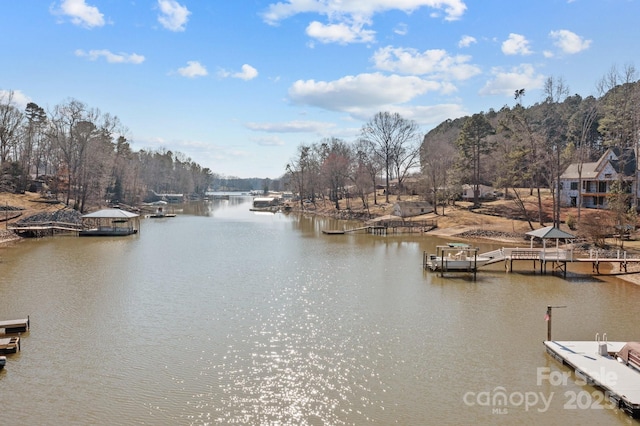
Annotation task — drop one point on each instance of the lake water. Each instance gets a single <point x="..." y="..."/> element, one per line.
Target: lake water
<point x="225" y="316"/>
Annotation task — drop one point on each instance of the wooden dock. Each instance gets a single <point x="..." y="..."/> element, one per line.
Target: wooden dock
<point x="556" y="258"/>
<point x="9" y="345"/>
<point x="383" y="228"/>
<point x="595" y="363"/>
<point x="15" y="326"/>
<point x="41" y="229"/>
<point x="369" y="229"/>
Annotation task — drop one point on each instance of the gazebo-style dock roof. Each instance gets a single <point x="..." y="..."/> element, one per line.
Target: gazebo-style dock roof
<point x="550" y="233"/>
<point x="110" y="222"/>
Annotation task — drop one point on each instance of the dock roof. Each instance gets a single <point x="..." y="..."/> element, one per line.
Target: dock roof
<point x="550" y="233"/>
<point x="111" y="214"/>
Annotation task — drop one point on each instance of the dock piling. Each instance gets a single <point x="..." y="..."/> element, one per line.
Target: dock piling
<point x="548" y="318"/>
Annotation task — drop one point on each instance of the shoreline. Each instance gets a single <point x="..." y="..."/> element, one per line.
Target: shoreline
<point x="7" y="237"/>
<point x="457" y="223"/>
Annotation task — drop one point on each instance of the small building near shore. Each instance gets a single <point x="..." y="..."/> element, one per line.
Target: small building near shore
<point x="411" y="208"/>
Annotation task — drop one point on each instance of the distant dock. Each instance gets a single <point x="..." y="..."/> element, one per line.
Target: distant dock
<point x="596" y="363"/>
<point x="9" y="345"/>
<point x="15" y="326"/>
<point x="385" y="227"/>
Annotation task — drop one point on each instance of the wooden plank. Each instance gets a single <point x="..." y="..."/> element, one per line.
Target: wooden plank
<point x="9" y="345"/>
<point x="15" y="326"/>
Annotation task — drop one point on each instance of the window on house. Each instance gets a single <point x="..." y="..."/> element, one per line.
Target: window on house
<point x="607" y="176"/>
<point x="574" y="186"/>
<point x="602" y="186"/>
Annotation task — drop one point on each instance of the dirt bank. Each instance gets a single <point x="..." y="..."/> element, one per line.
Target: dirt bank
<point x="15" y="207"/>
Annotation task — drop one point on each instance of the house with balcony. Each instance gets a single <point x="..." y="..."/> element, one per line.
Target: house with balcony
<point x="593" y="187"/>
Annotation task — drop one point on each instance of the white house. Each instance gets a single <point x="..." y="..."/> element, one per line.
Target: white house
<point x="593" y="185"/>
<point x="484" y="191"/>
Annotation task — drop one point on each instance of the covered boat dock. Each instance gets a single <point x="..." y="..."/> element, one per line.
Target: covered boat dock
<point x="110" y="222"/>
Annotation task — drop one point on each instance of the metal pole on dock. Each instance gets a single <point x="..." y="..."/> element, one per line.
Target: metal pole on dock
<point x="548" y="318"/>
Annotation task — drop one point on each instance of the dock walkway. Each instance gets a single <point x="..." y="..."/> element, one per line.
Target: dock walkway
<point x="15" y="326"/>
<point x="382" y="228"/>
<point x="558" y="258"/>
<point x="595" y="363"/>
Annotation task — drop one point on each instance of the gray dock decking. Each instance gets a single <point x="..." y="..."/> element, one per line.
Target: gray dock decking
<point x="620" y="382"/>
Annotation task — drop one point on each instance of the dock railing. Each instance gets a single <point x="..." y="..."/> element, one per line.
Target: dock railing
<point x="38" y="226"/>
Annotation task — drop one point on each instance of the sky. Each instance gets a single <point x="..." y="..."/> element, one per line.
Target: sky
<point x="238" y="85"/>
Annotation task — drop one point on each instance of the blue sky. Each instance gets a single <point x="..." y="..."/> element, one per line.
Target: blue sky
<point x="238" y="85"/>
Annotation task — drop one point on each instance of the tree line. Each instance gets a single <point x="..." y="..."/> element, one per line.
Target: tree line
<point x="81" y="156"/>
<point x="388" y="148"/>
<point x="519" y="147"/>
<point x="514" y="147"/>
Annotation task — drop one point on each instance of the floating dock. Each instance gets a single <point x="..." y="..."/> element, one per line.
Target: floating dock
<point x="596" y="363"/>
<point x="9" y="345"/>
<point x="15" y="326"/>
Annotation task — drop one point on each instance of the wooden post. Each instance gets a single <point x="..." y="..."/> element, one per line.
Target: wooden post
<point x="548" y="318"/>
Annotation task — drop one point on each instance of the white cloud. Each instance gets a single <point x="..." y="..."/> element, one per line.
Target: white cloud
<point x="339" y="33"/>
<point x="358" y="9"/>
<point x="401" y="29"/>
<point x="516" y="44"/>
<point x="347" y="18"/>
<point x="193" y="69"/>
<point x="173" y="16"/>
<point x="80" y="13"/>
<point x="113" y="58"/>
<point x="424" y="115"/>
<point x="436" y="62"/>
<point x="16" y="98"/>
<point x="467" y="41"/>
<point x="270" y="140"/>
<point x="296" y="126"/>
<point x="352" y="93"/>
<point x="248" y="73"/>
<point x="569" y="42"/>
<point x="507" y="82"/>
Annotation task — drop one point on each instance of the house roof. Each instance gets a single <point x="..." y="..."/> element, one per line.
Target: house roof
<point x="611" y="156"/>
<point x="589" y="171"/>
<point x="111" y="214"/>
<point x="413" y="203"/>
<point x="550" y="232"/>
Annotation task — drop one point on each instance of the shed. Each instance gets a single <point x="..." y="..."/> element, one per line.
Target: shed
<point x="412" y="208"/>
<point x="110" y="222"/>
<point x="484" y="192"/>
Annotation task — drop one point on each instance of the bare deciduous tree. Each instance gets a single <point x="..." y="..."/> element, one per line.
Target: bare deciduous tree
<point x="389" y="134"/>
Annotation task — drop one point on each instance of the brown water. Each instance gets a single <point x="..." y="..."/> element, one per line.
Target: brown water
<point x="224" y="316"/>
